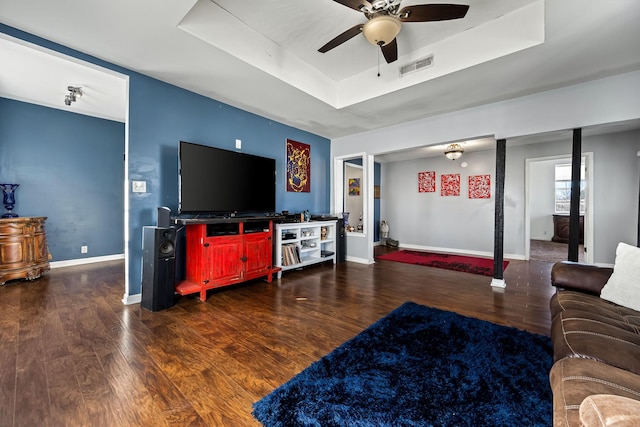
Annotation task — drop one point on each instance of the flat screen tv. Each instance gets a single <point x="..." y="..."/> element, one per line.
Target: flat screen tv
<point x="223" y="182"/>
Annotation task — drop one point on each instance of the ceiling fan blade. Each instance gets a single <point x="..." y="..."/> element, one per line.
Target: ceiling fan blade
<point x="390" y="51"/>
<point x="337" y="41"/>
<point x="432" y="12"/>
<point x="354" y="4"/>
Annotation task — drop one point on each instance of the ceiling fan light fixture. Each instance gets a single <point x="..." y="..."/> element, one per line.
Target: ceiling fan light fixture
<point x="453" y="151"/>
<point x="381" y="30"/>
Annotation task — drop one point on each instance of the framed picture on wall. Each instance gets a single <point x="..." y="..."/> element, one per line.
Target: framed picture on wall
<point x="376" y="191"/>
<point x="427" y="182"/>
<point x="450" y="184"/>
<point x="298" y="167"/>
<point x="354" y="186"/>
<point x="480" y="187"/>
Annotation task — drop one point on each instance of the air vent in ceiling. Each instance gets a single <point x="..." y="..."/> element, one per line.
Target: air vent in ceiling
<point x="416" y="65"/>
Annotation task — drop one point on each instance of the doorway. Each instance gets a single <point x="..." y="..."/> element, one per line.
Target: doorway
<point x="546" y="210"/>
<point x="360" y="238"/>
<point x="105" y="96"/>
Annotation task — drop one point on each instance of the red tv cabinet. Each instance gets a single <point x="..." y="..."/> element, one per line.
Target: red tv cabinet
<point x="226" y="252"/>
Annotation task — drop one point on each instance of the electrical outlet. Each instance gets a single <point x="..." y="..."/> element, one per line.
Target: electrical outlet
<point x="84" y="249"/>
<point x="238" y="144"/>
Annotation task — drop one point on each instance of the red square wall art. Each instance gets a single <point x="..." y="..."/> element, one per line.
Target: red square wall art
<point x="450" y="184"/>
<point x="426" y="182"/>
<point x="480" y="187"/>
<point x="298" y="167"/>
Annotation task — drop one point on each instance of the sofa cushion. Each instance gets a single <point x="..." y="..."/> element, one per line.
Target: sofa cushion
<point x="598" y="337"/>
<point x="606" y="410"/>
<point x="581" y="277"/>
<point x="572" y="300"/>
<point x="574" y="379"/>
<point x="623" y="287"/>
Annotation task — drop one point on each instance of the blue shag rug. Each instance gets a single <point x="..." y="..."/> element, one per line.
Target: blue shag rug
<point x="421" y="366"/>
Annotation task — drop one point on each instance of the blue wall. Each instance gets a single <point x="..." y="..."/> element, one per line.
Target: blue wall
<point x="161" y="114"/>
<point x="70" y="169"/>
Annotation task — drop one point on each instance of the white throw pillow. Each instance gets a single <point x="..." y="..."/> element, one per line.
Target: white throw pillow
<point x="623" y="287"/>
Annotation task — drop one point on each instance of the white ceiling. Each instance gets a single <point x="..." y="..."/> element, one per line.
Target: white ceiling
<point x="40" y="76"/>
<point x="261" y="55"/>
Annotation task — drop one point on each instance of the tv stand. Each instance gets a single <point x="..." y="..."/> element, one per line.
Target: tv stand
<point x="225" y="251"/>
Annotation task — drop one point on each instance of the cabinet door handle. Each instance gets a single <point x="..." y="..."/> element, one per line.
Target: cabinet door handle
<point x="243" y="259"/>
<point x="206" y="245"/>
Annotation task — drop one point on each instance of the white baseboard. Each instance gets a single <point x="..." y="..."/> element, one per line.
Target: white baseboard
<point x="459" y="251"/>
<point x="81" y="261"/>
<point x="131" y="299"/>
<point x="603" y="264"/>
<point x="357" y="260"/>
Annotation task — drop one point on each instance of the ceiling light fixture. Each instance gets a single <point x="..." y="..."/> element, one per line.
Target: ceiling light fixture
<point x="453" y="151"/>
<point x="74" y="94"/>
<point x="381" y="30"/>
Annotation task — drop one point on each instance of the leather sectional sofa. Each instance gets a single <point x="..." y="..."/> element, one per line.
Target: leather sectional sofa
<point x="596" y="375"/>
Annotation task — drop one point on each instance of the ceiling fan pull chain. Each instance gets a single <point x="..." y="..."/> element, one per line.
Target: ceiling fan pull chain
<point x="378" y="62"/>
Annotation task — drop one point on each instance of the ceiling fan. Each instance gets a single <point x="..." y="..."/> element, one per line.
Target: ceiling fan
<point x="385" y="19"/>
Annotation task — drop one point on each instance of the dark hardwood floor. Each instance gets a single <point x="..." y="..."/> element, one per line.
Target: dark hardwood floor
<point x="72" y="354"/>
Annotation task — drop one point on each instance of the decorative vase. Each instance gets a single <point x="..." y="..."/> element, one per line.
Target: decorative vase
<point x="384" y="229"/>
<point x="9" y="199"/>
<point x="345" y="216"/>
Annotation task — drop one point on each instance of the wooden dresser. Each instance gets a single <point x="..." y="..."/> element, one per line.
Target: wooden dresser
<point x="24" y="253"/>
<point x="561" y="229"/>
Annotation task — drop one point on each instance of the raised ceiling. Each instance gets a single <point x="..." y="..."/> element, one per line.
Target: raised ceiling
<point x="261" y="55"/>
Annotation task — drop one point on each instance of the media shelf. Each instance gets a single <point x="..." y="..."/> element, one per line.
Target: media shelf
<point x="305" y="243"/>
<point x="226" y="252"/>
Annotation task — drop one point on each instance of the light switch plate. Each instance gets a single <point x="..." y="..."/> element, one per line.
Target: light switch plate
<point x="139" y="186"/>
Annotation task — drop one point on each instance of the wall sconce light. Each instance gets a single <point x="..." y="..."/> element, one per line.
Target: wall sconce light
<point x="74" y="94"/>
<point x="453" y="151"/>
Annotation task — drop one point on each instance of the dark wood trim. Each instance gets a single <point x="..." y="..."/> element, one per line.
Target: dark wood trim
<point x="574" y="212"/>
<point x="498" y="240"/>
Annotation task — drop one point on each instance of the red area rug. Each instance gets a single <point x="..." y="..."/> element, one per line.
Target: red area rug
<point x="467" y="264"/>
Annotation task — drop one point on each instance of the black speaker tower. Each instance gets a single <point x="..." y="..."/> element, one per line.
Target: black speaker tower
<point x="158" y="267"/>
<point x="341" y="242"/>
<point x="164" y="217"/>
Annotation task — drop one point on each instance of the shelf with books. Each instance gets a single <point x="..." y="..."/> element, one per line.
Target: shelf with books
<point x="305" y="243"/>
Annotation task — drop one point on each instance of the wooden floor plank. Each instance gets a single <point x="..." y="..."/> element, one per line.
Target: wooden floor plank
<point x="73" y="354"/>
<point x="65" y="395"/>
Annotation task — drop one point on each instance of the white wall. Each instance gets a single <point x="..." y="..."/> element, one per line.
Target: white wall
<point x="615" y="192"/>
<point x="460" y="224"/>
<point x="602" y="101"/>
<point x="429" y="220"/>
<point x="542" y="198"/>
<point x="616" y="175"/>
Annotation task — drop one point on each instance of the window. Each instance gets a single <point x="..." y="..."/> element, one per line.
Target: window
<point x="563" y="189"/>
